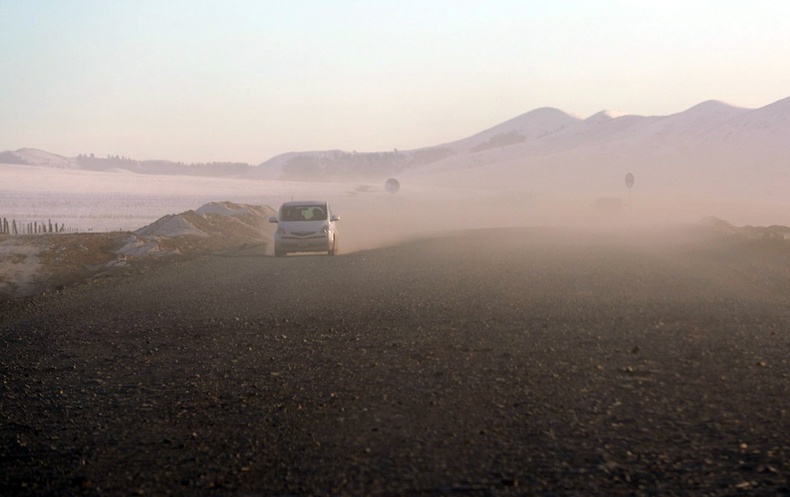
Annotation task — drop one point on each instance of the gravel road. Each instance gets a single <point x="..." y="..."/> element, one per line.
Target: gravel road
<point x="490" y="363"/>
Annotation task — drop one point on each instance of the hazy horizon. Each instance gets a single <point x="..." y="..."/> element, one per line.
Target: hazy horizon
<point x="249" y="81"/>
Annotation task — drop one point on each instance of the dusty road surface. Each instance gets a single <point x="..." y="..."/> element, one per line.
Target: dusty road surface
<point x="491" y="363"/>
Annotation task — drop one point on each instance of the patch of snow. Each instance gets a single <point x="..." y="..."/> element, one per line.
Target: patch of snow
<point x="604" y="116"/>
<point x="535" y="124"/>
<point x="37" y="157"/>
<point x="137" y="247"/>
<point x="19" y="266"/>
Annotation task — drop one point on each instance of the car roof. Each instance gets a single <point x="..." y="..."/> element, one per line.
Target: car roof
<point x="304" y="202"/>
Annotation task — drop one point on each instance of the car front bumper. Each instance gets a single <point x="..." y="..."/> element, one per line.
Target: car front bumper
<point x="298" y="244"/>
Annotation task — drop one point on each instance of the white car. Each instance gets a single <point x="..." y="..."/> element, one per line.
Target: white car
<point x="305" y="226"/>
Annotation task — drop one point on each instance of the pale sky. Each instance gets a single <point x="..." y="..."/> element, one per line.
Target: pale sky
<point x="203" y="81"/>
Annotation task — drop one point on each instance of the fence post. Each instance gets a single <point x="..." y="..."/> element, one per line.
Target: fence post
<point x="11" y="227"/>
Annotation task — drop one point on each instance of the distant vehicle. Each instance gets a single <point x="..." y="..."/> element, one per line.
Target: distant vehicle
<point x="305" y="226"/>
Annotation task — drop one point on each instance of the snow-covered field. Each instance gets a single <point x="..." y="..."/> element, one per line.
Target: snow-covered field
<point x="111" y="201"/>
<point x="101" y="201"/>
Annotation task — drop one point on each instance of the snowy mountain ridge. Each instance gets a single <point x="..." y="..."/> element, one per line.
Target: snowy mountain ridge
<point x="707" y="132"/>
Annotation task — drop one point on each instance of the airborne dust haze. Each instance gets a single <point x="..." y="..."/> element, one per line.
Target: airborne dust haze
<point x="371" y="217"/>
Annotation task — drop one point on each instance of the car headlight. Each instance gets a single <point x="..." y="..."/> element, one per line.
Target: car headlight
<point x="325" y="229"/>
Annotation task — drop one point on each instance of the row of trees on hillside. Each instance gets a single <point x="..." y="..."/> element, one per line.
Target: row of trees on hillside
<point x="368" y="164"/>
<point x="92" y="162"/>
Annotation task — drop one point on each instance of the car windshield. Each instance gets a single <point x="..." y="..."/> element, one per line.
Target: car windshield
<point x="304" y="213"/>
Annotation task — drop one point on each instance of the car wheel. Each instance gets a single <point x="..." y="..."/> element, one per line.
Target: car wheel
<point x="278" y="252"/>
<point x="333" y="249"/>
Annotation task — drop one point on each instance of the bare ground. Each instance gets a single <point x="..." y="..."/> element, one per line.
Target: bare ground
<point x="496" y="362"/>
<point x="32" y="264"/>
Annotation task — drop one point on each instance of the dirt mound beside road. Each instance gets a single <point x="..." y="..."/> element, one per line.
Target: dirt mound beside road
<point x="212" y="227"/>
<point x="31" y="264"/>
<point x="774" y="232"/>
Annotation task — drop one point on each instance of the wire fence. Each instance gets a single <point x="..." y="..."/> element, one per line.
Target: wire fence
<point x="12" y="227"/>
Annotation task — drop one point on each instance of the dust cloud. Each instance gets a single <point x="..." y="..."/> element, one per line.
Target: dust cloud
<point x="375" y="218"/>
<point x="430" y="200"/>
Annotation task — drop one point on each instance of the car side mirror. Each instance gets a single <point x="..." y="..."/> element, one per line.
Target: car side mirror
<point x="273" y="219"/>
<point x="335" y="218"/>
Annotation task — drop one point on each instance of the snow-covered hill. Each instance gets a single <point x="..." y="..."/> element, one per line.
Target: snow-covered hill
<point x="34" y="157"/>
<point x="710" y="146"/>
<point x="710" y="149"/>
<point x="532" y="126"/>
<point x="711" y="134"/>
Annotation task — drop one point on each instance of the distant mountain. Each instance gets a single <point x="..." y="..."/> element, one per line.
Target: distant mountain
<point x="603" y="116"/>
<point x="336" y="164"/>
<point x="542" y="147"/>
<point x="34" y="157"/>
<point x="709" y="149"/>
<point x="534" y="125"/>
<point x="693" y="138"/>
